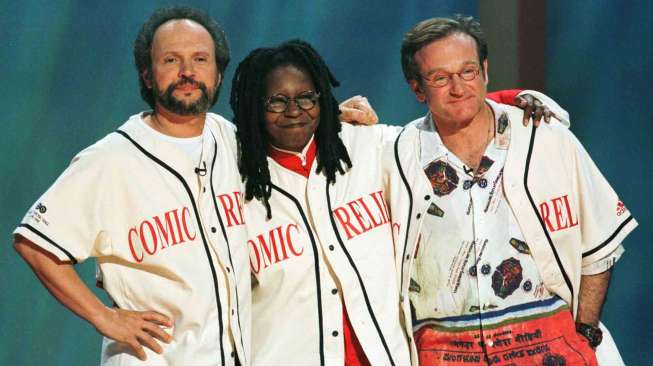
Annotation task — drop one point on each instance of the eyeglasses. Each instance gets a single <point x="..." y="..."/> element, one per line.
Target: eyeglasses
<point x="279" y="103"/>
<point x="442" y="78"/>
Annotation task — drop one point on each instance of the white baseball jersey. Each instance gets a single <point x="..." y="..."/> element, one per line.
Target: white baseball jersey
<point x="564" y="208"/>
<point x="166" y="237"/>
<point x="329" y="245"/>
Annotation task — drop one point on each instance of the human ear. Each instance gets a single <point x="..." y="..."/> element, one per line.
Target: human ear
<point x="147" y="80"/>
<point x="418" y="90"/>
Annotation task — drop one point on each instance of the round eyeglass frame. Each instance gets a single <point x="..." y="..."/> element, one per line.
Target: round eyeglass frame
<point x="309" y="95"/>
<point x="447" y="80"/>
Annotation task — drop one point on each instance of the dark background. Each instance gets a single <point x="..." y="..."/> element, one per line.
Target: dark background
<point x="68" y="79"/>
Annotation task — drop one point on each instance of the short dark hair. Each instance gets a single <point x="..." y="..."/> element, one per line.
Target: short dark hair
<point x="248" y="90"/>
<point x="143" y="43"/>
<point x="431" y="30"/>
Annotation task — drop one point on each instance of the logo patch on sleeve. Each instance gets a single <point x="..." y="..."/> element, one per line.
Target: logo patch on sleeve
<point x="41" y="208"/>
<point x="621" y="208"/>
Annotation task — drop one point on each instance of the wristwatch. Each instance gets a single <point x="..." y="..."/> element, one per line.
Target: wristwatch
<point x="593" y="333"/>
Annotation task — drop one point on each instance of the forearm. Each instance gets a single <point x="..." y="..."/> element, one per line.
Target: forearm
<point x="134" y="328"/>
<point x="62" y="281"/>
<point x="593" y="290"/>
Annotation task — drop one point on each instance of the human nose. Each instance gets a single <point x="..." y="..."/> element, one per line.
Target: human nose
<point x="292" y="108"/>
<point x="186" y="68"/>
<point x="456" y="83"/>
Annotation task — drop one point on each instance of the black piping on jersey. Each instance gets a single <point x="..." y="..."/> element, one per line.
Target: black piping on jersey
<point x="358" y="276"/>
<point x="197" y="216"/>
<point x="224" y="234"/>
<point x="410" y="213"/>
<point x="45" y="237"/>
<point x="609" y="239"/>
<point x="316" y="262"/>
<point x="410" y="202"/>
<point x="537" y="214"/>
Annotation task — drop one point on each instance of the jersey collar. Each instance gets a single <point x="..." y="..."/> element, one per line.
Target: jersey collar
<point x="298" y="162"/>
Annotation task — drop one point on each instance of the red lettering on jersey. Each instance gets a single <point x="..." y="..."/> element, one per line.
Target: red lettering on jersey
<point x="178" y="223"/>
<point x="166" y="231"/>
<point x="373" y="214"/>
<point x="343" y="216"/>
<point x="131" y="245"/>
<point x="254" y="249"/>
<point x="153" y="238"/>
<point x="264" y="253"/>
<point x="561" y="209"/>
<point x="569" y="215"/>
<point x="395" y="230"/>
<point x="155" y="234"/>
<point x="544" y="214"/>
<point x="290" y="244"/>
<point x="185" y="211"/>
<point x="354" y="208"/>
<point x="375" y="223"/>
<point x="229" y="202"/>
<point x="381" y="205"/>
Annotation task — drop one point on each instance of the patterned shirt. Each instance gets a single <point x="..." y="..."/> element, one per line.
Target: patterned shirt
<point x="476" y="291"/>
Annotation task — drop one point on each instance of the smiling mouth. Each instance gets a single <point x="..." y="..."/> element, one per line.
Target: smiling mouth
<point x="187" y="88"/>
<point x="294" y="125"/>
<point x="461" y="100"/>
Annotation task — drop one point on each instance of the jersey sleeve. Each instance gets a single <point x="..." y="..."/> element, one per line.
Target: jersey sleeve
<point x="387" y="132"/>
<point x="504" y="96"/>
<point x="66" y="219"/>
<point x="508" y="97"/>
<point x="603" y="264"/>
<point x="604" y="220"/>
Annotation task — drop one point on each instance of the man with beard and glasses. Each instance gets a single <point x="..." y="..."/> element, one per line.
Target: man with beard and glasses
<point x="156" y="203"/>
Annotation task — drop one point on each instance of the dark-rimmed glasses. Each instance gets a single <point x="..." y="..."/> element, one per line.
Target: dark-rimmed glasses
<point x="441" y="78"/>
<point x="305" y="101"/>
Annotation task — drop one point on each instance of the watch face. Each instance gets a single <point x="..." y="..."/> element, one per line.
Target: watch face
<point x="593" y="334"/>
<point x="598" y="337"/>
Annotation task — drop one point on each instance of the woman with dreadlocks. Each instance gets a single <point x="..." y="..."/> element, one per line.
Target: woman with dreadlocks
<point x="325" y="290"/>
<point x="330" y="278"/>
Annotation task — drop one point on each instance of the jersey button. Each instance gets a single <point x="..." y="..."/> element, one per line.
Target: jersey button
<point x="228" y="269"/>
<point x="204" y="189"/>
<point x="419" y="215"/>
<point x="334" y="291"/>
<point x="334" y="333"/>
<point x="331" y="247"/>
<point x="427" y="197"/>
<point x="233" y="354"/>
<point x="213" y="229"/>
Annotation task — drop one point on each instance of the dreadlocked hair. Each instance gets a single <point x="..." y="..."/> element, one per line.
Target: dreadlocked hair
<point x="248" y="91"/>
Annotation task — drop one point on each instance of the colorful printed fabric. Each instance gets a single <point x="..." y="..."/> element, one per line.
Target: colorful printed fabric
<point x="474" y="276"/>
<point x="538" y="333"/>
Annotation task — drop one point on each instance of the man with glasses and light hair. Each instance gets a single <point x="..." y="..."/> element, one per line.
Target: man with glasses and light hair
<point x="521" y="229"/>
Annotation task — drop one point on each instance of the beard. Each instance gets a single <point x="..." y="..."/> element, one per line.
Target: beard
<point x="167" y="100"/>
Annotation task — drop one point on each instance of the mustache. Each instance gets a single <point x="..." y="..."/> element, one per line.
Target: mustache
<point x="185" y="80"/>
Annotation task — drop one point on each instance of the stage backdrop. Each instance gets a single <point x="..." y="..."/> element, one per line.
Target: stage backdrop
<point x="68" y="79"/>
